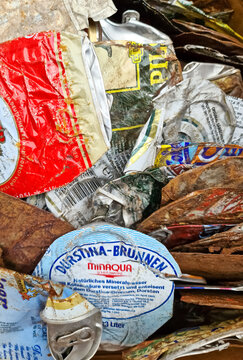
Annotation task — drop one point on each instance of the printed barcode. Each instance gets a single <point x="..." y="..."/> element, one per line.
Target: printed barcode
<point x="79" y="191"/>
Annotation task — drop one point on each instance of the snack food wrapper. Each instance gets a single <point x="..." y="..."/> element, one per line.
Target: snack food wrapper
<point x="121" y="272"/>
<point x="133" y="73"/>
<point x="54" y="115"/>
<point x="196" y="154"/>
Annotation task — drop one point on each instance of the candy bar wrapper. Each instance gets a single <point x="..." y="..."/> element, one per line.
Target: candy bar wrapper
<point x="196" y="154"/>
<point x="54" y="114"/>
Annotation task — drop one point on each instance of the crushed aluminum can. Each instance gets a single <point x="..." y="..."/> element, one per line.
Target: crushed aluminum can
<point x="74" y="328"/>
<point x="185" y="9"/>
<point x="133" y="30"/>
<point x="66" y="126"/>
<point x="127" y="200"/>
<point x="121" y="272"/>
<point x="229" y="241"/>
<point x="226" y="172"/>
<point x="26" y="233"/>
<point x="176" y="235"/>
<point x="220" y="9"/>
<point x="228" y="78"/>
<point x="73" y="324"/>
<point x="194" y="110"/>
<point x="207" y="206"/>
<point x="142" y="70"/>
<point x="238" y="110"/>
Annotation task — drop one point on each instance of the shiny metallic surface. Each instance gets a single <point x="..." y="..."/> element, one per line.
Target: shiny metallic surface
<point x="132" y="30"/>
<point x="74" y="339"/>
<point x="130" y="15"/>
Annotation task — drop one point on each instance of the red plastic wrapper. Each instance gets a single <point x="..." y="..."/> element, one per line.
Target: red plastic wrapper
<point x="52" y="127"/>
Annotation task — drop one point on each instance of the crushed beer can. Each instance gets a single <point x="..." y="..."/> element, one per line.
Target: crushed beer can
<point x="176" y="235"/>
<point x="228" y="241"/>
<point x="26" y="233"/>
<point x="121" y="272"/>
<point x="217" y="257"/>
<point x="54" y="114"/>
<point x="207" y="206"/>
<point x="71" y="327"/>
<point x="220" y="9"/>
<point x="133" y="30"/>
<point x="227" y="172"/>
<point x="185" y="9"/>
<point x="126" y="200"/>
<point x="133" y="74"/>
<point x="227" y="77"/>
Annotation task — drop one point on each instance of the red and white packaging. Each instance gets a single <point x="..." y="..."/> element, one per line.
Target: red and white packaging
<point x="54" y="115"/>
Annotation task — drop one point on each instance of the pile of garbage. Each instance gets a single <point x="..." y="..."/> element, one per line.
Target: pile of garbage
<point x="121" y="179"/>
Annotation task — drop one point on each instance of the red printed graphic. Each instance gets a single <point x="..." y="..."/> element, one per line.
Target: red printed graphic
<point x="48" y="149"/>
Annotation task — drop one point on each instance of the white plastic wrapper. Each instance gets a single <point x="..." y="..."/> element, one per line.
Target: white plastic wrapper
<point x="194" y="110"/>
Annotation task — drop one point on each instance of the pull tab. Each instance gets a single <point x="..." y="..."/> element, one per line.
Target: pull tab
<point x="74" y="328"/>
<point x="77" y="337"/>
